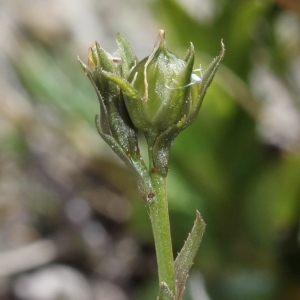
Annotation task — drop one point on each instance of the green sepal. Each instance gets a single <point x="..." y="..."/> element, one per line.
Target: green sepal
<point x="128" y="58"/>
<point x="184" y="76"/>
<point x="198" y="91"/>
<point x="132" y="98"/>
<point x="126" y="87"/>
<point x="185" y="258"/>
<point x="165" y="293"/>
<point x="134" y="162"/>
<point x="162" y="147"/>
<point x="104" y="62"/>
<point x="105" y="126"/>
<point x="189" y="51"/>
<point x="180" y="89"/>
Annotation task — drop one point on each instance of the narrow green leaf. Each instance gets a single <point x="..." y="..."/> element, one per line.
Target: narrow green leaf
<point x="186" y="257"/>
<point x="165" y="293"/>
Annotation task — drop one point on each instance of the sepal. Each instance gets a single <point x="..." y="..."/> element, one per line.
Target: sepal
<point x="99" y="59"/>
<point x="134" y="162"/>
<point x="198" y="91"/>
<point x="126" y="87"/>
<point x="127" y="56"/>
<point x="162" y="147"/>
<point x="104" y="119"/>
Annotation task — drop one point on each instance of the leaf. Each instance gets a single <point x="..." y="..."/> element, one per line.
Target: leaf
<point x="186" y="257"/>
<point x="165" y="293"/>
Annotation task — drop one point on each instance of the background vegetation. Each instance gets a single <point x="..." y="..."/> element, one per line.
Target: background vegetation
<point x="71" y="224"/>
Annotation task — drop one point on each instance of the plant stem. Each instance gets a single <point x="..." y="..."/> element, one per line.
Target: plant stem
<point x="159" y="216"/>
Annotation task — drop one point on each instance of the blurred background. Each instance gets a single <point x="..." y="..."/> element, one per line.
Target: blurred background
<point x="71" y="223"/>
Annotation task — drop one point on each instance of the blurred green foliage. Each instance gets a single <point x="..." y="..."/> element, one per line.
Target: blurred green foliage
<point x="246" y="188"/>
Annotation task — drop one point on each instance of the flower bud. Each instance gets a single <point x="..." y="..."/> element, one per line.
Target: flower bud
<point x="163" y="96"/>
<point x="114" y="119"/>
<point x="114" y="124"/>
<point x="159" y="81"/>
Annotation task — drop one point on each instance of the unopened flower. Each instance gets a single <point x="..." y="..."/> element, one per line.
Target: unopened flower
<point x="163" y="96"/>
<point x="114" y="122"/>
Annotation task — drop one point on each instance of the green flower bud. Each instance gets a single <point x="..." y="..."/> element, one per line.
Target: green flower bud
<point x="158" y="80"/>
<point x="114" y="119"/>
<point x="114" y="124"/>
<point x="163" y="96"/>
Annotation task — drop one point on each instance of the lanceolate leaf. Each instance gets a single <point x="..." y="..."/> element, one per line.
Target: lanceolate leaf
<point x="185" y="258"/>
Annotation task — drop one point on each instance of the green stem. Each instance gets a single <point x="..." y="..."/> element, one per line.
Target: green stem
<point x="159" y="215"/>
